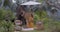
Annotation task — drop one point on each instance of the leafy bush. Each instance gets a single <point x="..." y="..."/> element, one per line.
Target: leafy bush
<point x="6" y="14"/>
<point x="50" y="24"/>
<point x="6" y="26"/>
<point x="39" y="15"/>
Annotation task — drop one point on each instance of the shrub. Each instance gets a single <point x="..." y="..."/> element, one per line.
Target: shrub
<point x="6" y="26"/>
<point x="6" y="14"/>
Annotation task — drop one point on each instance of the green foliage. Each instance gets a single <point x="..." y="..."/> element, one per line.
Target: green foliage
<point x="4" y="26"/>
<point x="50" y="24"/>
<point x="2" y="14"/>
<point x="40" y="15"/>
<point x="6" y="14"/>
<point x="40" y="1"/>
<point x="6" y="2"/>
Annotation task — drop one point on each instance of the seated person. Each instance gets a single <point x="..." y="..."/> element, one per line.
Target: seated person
<point x="20" y="17"/>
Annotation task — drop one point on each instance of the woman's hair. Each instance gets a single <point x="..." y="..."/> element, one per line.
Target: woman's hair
<point x="21" y="13"/>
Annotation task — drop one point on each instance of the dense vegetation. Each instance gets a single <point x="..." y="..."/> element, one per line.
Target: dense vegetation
<point x="50" y="24"/>
<point x="6" y="26"/>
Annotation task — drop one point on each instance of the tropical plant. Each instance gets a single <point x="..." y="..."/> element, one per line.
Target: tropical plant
<point x="6" y="26"/>
<point x="6" y="14"/>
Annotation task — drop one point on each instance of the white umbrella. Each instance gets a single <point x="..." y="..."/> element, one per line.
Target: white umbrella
<point x="31" y="3"/>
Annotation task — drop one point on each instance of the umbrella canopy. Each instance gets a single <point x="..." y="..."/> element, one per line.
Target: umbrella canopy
<point x="31" y="3"/>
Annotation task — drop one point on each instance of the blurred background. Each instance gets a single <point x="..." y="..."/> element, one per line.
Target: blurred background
<point x="48" y="12"/>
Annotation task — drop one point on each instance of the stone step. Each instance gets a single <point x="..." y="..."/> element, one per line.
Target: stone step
<point x="16" y="31"/>
<point x="18" y="28"/>
<point x="27" y="29"/>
